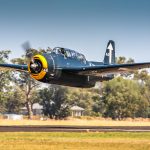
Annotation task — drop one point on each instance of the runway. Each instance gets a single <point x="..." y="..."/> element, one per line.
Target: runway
<point x="74" y="128"/>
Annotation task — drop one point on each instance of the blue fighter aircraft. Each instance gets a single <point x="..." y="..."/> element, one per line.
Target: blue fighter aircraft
<point x="67" y="67"/>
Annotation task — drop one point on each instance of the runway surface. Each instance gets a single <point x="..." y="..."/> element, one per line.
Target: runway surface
<point x="74" y="128"/>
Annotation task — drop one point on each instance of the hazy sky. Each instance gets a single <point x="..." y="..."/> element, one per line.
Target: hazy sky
<point x="82" y="25"/>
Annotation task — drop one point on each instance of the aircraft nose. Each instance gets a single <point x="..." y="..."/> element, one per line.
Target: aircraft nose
<point x="38" y="67"/>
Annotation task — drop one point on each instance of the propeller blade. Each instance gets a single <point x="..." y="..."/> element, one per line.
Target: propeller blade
<point x="32" y="60"/>
<point x="27" y="48"/>
<point x="26" y="45"/>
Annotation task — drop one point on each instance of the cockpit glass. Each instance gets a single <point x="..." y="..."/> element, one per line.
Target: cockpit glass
<point x="73" y="54"/>
<point x="80" y="57"/>
<point x="56" y="50"/>
<point x="69" y="53"/>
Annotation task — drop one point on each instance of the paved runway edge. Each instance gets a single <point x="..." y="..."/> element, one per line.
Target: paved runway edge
<point x="52" y="128"/>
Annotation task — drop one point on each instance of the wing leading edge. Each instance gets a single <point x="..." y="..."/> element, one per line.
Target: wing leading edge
<point x="106" y="69"/>
<point x="13" y="67"/>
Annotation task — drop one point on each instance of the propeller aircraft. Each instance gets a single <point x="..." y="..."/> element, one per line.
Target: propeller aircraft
<point x="67" y="67"/>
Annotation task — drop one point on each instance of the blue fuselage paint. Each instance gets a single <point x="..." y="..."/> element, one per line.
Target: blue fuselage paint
<point x="55" y="75"/>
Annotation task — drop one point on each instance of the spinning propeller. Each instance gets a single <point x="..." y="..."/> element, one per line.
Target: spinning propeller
<point x="34" y="63"/>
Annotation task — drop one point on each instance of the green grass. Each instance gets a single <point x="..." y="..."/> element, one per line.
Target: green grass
<point x="75" y="141"/>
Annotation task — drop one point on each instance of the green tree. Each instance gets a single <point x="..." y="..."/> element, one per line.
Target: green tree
<point x="83" y="98"/>
<point x="55" y="102"/>
<point x="123" y="60"/>
<point x="123" y="98"/>
<point x="4" y="80"/>
<point x="26" y="84"/>
<point x="120" y="60"/>
<point x="14" y="100"/>
<point x="143" y="78"/>
<point x="98" y="106"/>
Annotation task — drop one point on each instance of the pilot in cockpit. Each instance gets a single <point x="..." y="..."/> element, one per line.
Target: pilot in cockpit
<point x="62" y="50"/>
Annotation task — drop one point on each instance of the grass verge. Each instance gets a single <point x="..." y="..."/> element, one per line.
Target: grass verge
<point x="75" y="141"/>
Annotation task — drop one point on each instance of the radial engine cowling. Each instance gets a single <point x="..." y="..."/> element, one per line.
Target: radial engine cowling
<point x="38" y="67"/>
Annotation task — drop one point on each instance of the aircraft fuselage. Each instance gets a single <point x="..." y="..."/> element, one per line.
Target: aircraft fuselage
<point x="55" y="75"/>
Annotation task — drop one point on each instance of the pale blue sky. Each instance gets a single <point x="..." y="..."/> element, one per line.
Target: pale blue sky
<point x="82" y="25"/>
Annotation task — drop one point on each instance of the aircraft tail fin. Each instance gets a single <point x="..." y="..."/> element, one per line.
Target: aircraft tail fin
<point x="109" y="57"/>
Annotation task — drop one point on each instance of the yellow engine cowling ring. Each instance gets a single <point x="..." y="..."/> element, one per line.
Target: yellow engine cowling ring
<point x="42" y="73"/>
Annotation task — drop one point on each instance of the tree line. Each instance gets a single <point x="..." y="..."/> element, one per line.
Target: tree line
<point x="119" y="98"/>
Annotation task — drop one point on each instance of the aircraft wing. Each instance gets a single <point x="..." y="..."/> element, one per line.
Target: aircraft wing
<point x="13" y="67"/>
<point x="106" y="69"/>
